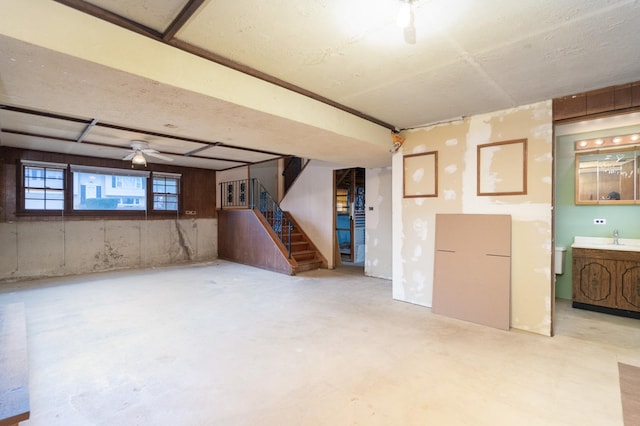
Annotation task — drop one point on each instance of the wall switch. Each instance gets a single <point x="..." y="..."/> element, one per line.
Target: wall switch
<point x="599" y="221"/>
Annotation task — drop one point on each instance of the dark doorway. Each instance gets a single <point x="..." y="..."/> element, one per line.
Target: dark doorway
<point x="349" y="190"/>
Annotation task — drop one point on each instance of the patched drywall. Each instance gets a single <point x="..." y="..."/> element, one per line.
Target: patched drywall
<point x="378" y="237"/>
<point x="54" y="248"/>
<point x="414" y="218"/>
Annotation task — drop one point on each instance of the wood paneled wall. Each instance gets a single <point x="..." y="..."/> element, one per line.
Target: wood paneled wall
<point x="198" y="187"/>
<point x="613" y="99"/>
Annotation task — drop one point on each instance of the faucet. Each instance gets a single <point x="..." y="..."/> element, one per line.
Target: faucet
<point x="615" y="237"/>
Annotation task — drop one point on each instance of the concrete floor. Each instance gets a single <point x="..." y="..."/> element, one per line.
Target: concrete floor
<point x="226" y="344"/>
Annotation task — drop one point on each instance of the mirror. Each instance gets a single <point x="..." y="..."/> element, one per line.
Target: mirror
<point x="607" y="177"/>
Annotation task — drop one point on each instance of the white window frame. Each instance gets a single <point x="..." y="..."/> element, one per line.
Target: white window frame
<point x="113" y="193"/>
<point x="163" y="197"/>
<point x="45" y="189"/>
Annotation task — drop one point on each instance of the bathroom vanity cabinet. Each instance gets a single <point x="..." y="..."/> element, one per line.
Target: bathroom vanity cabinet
<point x="607" y="281"/>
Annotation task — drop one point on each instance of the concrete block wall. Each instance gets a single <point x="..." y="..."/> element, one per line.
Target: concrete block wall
<point x="56" y="248"/>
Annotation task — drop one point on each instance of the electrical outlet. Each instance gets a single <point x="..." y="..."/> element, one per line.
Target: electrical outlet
<point x="599" y="221"/>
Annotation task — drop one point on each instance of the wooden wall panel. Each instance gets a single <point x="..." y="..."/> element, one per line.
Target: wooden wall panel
<point x="243" y="239"/>
<point x="605" y="101"/>
<point x="622" y="96"/>
<point x="198" y="188"/>
<point x="570" y="106"/>
<point x="600" y="101"/>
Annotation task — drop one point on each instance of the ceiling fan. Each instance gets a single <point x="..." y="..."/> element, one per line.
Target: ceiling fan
<point x="140" y="149"/>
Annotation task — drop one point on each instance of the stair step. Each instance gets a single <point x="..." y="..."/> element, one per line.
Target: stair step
<point x="296" y="237"/>
<point x="297" y="246"/>
<point x="304" y="255"/>
<point x="308" y="265"/>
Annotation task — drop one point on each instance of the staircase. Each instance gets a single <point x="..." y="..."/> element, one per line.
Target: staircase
<point x="297" y="250"/>
<point x="303" y="252"/>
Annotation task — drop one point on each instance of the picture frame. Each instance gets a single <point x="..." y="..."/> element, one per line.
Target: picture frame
<point x="502" y="168"/>
<point x="420" y="175"/>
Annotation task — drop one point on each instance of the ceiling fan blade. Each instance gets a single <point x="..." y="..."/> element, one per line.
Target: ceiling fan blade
<point x="154" y="153"/>
<point x="130" y="156"/>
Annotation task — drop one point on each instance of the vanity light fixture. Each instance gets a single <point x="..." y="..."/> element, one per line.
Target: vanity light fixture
<point x="608" y="142"/>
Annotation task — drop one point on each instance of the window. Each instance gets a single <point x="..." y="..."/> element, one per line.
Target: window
<point x="166" y="187"/>
<point x="43" y="185"/>
<point x="98" y="188"/>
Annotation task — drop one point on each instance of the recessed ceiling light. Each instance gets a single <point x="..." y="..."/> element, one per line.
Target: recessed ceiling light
<point x="634" y="137"/>
<point x="617" y="139"/>
<point x="599" y="141"/>
<point x="582" y="143"/>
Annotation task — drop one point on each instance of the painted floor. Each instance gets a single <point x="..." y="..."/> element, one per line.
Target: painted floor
<point x="226" y="344"/>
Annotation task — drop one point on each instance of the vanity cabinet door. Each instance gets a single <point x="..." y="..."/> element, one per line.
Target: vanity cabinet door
<point x="593" y="281"/>
<point x="628" y="296"/>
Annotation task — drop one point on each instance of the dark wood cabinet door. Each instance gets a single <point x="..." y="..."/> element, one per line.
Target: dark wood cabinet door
<point x="593" y="282"/>
<point x="629" y="287"/>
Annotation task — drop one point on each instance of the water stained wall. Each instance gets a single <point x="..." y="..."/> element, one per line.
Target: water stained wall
<point x="457" y="147"/>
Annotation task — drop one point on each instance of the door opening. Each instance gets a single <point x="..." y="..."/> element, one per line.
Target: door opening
<point x="349" y="190"/>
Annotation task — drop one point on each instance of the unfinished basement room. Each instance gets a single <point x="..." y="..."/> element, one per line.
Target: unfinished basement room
<point x="319" y="213"/>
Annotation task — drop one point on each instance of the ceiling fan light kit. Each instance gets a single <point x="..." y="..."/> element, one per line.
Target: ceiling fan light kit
<point x="140" y="148"/>
<point x="138" y="158"/>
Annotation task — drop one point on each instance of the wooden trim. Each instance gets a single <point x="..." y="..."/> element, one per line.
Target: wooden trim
<point x="185" y="14"/>
<point x="111" y="17"/>
<point x="524" y="168"/>
<point x="428" y="192"/>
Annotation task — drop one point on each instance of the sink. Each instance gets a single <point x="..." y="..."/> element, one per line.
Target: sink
<point x="602" y="243"/>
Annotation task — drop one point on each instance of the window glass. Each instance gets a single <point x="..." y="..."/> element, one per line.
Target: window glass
<point x="108" y="191"/>
<point x="43" y="188"/>
<point x="165" y="193"/>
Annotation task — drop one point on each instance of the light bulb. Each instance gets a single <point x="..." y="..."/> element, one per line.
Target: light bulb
<point x="403" y="19"/>
<point x="139" y="159"/>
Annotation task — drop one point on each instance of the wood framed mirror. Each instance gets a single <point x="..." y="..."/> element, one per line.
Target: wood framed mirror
<point x="607" y="177"/>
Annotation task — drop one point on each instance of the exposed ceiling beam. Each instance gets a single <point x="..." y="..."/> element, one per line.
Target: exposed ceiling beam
<point x="114" y="18"/>
<point x="181" y="19"/>
<point x="167" y="38"/>
<point x="87" y="130"/>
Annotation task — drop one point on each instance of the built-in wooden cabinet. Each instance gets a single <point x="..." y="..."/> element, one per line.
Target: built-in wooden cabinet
<point x="607" y="281"/>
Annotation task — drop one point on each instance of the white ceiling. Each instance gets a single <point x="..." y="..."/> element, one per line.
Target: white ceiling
<point x="471" y="56"/>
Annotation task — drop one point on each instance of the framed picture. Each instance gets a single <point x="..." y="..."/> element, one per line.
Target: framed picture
<point x="502" y="168"/>
<point x="420" y="178"/>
